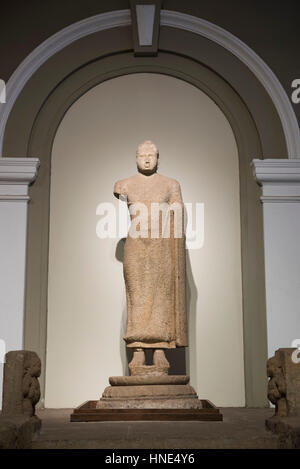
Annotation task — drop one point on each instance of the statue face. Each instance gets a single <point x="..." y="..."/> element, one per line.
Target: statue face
<point x="147" y="160"/>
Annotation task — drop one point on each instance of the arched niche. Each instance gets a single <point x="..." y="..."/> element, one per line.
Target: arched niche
<point x="67" y="75"/>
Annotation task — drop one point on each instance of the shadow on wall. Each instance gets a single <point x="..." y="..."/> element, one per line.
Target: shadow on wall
<point x="191" y="308"/>
<point x="179" y="358"/>
<point x="124" y="358"/>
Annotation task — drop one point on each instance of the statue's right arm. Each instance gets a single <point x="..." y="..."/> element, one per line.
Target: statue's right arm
<point x="118" y="189"/>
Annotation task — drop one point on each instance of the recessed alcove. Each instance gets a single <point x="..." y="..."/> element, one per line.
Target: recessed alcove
<point x="94" y="146"/>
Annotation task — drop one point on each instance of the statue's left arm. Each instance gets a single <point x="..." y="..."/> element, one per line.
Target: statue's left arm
<point x="178" y="241"/>
<point x="175" y="192"/>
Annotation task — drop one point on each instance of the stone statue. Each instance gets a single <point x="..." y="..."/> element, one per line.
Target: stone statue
<point x="154" y="273"/>
<point x="154" y="262"/>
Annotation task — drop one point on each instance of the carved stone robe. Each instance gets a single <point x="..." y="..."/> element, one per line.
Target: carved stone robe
<point x="154" y="268"/>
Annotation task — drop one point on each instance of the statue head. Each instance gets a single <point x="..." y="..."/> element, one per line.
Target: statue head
<point x="147" y="157"/>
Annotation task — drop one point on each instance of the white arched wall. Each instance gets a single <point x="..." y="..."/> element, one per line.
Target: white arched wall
<point x="94" y="146"/>
<point x="173" y="19"/>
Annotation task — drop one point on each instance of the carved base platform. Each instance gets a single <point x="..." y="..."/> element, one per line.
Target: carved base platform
<point x="88" y="412"/>
<point x="145" y="380"/>
<point x="147" y="397"/>
<point x="150" y="396"/>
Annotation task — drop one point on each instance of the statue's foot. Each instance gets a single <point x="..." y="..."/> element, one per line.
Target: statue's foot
<point x="138" y="359"/>
<point x="159" y="359"/>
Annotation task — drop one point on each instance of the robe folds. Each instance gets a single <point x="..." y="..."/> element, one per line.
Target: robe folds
<point x="154" y="267"/>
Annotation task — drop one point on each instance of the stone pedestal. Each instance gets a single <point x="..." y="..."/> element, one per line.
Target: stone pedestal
<point x="149" y="392"/>
<point x="147" y="397"/>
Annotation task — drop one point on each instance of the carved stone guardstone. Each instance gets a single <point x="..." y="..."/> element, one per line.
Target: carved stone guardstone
<point x="284" y="392"/>
<point x="21" y="388"/>
<point x="21" y="393"/>
<point x="284" y="384"/>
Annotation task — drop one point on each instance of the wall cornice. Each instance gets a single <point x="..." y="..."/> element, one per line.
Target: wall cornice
<point x="280" y="179"/>
<point x="16" y="174"/>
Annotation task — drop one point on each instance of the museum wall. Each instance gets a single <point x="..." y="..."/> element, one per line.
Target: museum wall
<point x="95" y="146"/>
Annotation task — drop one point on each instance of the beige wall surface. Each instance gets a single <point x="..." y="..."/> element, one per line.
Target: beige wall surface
<point x="95" y="146"/>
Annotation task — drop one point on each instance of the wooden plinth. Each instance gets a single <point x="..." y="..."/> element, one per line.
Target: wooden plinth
<point x="88" y="412"/>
